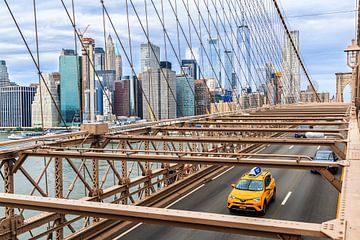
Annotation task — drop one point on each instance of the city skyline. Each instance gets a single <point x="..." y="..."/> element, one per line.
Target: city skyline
<point x="23" y="72"/>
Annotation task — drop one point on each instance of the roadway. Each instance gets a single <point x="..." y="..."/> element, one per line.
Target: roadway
<point x="301" y="196"/>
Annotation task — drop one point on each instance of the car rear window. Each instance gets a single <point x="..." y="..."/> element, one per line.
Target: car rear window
<point x="323" y="156"/>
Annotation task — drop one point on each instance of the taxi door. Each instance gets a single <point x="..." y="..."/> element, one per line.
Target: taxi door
<point x="268" y="192"/>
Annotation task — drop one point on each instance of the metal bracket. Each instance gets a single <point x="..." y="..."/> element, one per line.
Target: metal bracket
<point x="10" y="225"/>
<point x="334" y="229"/>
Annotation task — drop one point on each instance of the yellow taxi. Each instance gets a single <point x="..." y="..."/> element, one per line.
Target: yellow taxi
<point x="254" y="191"/>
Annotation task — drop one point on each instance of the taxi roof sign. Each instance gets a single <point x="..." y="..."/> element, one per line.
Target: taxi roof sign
<point x="255" y="172"/>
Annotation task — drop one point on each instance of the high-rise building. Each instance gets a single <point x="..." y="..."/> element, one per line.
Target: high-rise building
<point x="70" y="85"/>
<point x="244" y="68"/>
<point x="15" y="106"/>
<point x="45" y="105"/>
<point x="291" y="68"/>
<point x="214" y="67"/>
<point x="149" y="56"/>
<point x="99" y="98"/>
<point x="159" y="89"/>
<point x="88" y="80"/>
<point x="192" y="66"/>
<point x="139" y="98"/>
<point x="107" y="103"/>
<point x="185" y="99"/>
<point x="202" y="97"/>
<point x="135" y="91"/>
<point x="118" y="67"/>
<point x="4" y="76"/>
<point x="122" y="97"/>
<point x="104" y="83"/>
<point x="110" y="54"/>
<point x="228" y="73"/>
<point x="107" y="78"/>
<point x="118" y="62"/>
<point x="99" y="59"/>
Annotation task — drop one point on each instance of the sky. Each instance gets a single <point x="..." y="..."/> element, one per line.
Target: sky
<point x="323" y="37"/>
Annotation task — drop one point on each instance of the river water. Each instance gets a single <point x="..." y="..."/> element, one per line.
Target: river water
<point x="35" y="166"/>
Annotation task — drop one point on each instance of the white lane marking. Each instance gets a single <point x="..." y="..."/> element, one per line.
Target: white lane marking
<point x="286" y="198"/>
<point x="291" y="147"/>
<point x="126" y="232"/>
<point x="318" y="147"/>
<point x="223" y="173"/>
<point x="173" y="203"/>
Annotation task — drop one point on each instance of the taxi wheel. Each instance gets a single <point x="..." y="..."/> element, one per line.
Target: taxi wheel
<point x="263" y="211"/>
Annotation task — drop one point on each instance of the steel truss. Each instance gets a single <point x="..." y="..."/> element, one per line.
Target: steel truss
<point x="173" y="156"/>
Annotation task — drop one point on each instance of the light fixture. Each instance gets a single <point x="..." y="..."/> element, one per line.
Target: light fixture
<point x="352" y="53"/>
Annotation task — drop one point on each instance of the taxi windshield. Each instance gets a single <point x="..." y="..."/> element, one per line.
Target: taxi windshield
<point x="250" y="185"/>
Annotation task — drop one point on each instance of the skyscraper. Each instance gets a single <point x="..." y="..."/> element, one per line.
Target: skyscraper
<point x="135" y="92"/>
<point x="110" y="54"/>
<point x="99" y="98"/>
<point x="118" y="67"/>
<point x="202" y="97"/>
<point x="192" y="66"/>
<point x="149" y="56"/>
<point x="107" y="103"/>
<point x="4" y="76"/>
<point x="185" y="102"/>
<point x="70" y="85"/>
<point x="47" y="101"/>
<point x="99" y="59"/>
<point x="107" y="78"/>
<point x="15" y="106"/>
<point x="244" y="69"/>
<point x="214" y="69"/>
<point x="291" y="66"/>
<point x="228" y="55"/>
<point x="122" y="97"/>
<point x="88" y="80"/>
<point x="159" y="87"/>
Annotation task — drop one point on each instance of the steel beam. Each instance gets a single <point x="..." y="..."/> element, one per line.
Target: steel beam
<point x="175" y="218"/>
<point x="273" y="118"/>
<point x="235" y="140"/>
<point x="183" y="158"/>
<point x="282" y="123"/>
<point x="237" y="129"/>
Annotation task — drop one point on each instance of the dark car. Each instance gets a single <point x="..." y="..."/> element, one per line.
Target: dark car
<point x="326" y="155"/>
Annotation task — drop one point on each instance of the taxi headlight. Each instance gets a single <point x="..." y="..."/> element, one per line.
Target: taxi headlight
<point x="231" y="197"/>
<point x="257" y="199"/>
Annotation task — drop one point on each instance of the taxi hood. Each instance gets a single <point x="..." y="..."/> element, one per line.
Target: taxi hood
<point x="246" y="194"/>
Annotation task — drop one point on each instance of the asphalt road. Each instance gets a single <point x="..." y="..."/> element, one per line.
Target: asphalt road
<point x="312" y="199"/>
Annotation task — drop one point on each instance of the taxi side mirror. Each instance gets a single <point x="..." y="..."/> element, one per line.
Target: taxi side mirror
<point x="233" y="185"/>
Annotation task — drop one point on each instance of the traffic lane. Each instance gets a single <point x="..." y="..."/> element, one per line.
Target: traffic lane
<point x="213" y="198"/>
<point x="314" y="199"/>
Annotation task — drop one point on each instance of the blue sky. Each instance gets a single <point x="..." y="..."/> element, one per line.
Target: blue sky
<point x="322" y="38"/>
